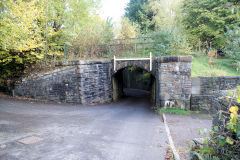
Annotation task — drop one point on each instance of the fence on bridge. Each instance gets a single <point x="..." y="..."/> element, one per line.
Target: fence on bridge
<point x="131" y="47"/>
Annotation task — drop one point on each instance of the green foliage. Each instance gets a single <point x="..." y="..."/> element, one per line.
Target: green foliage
<point x="232" y="48"/>
<point x="163" y="42"/>
<point x="127" y="29"/>
<point x="37" y="30"/>
<point x="168" y="42"/>
<point x="173" y="111"/>
<point x="236" y="2"/>
<point x="136" y="11"/>
<point x="195" y="155"/>
<point x="160" y="21"/>
<point x="225" y="138"/>
<point x="207" y="20"/>
<point x="222" y="67"/>
<point x="21" y="35"/>
<point x="165" y="14"/>
<point x="92" y="35"/>
<point x="79" y="13"/>
<point x="152" y="15"/>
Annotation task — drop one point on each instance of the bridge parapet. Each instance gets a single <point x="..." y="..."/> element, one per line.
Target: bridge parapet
<point x="170" y="59"/>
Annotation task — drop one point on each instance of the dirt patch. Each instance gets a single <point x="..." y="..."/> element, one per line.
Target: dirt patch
<point x="169" y="154"/>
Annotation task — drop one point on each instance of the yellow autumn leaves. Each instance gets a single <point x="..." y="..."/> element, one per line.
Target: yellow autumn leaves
<point x="22" y="30"/>
<point x="234" y="114"/>
<point x="234" y="109"/>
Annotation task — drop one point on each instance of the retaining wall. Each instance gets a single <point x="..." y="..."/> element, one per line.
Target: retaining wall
<point x="205" y="90"/>
<point x="84" y="82"/>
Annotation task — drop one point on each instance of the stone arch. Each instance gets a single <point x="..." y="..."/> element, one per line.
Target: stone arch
<point x="117" y="82"/>
<point x="143" y="64"/>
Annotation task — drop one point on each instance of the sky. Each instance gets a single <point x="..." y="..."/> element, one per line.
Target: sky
<point x="113" y="9"/>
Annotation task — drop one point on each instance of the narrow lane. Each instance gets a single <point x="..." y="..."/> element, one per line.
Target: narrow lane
<point x="127" y="130"/>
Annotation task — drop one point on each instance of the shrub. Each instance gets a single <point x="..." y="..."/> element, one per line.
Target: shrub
<point x="90" y="40"/>
<point x="127" y="29"/>
<point x="232" y="49"/>
<point x="168" y="42"/>
<point x="224" y="142"/>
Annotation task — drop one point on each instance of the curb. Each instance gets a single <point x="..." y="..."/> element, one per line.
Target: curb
<point x="175" y="153"/>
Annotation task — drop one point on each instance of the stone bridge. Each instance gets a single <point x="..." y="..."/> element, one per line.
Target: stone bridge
<point x="96" y="81"/>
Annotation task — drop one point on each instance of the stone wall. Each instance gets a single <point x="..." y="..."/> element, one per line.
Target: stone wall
<point x="59" y="85"/>
<point x="84" y="82"/>
<point x="90" y="82"/>
<point x="205" y="90"/>
<point x="95" y="82"/>
<point x="174" y="81"/>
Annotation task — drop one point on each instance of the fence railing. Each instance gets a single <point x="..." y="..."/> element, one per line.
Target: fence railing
<point x="131" y="47"/>
<point x="132" y="59"/>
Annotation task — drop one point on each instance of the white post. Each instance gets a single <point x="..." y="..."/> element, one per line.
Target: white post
<point x="150" y="61"/>
<point x="114" y="63"/>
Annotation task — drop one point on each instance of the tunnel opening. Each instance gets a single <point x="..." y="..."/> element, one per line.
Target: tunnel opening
<point x="135" y="83"/>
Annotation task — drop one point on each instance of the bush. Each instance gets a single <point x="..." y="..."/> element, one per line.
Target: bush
<point x="127" y="29"/>
<point x="224" y="142"/>
<point x="91" y="39"/>
<point x="168" y="42"/>
<point x="232" y="49"/>
<point x="162" y="42"/>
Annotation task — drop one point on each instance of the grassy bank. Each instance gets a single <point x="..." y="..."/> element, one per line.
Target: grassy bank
<point x="220" y="67"/>
<point x="201" y="67"/>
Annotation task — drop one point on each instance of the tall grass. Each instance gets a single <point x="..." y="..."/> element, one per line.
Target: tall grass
<point x="220" y="67"/>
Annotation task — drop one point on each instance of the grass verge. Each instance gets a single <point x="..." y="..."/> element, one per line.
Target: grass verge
<point x="183" y="112"/>
<point x="173" y="111"/>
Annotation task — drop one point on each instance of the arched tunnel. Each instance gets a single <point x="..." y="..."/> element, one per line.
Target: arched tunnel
<point x="134" y="82"/>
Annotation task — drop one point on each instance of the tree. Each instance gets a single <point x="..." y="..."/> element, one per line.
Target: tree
<point x="232" y="48"/>
<point x="20" y="34"/>
<point x="54" y="31"/>
<point x="31" y="31"/>
<point x="235" y="2"/>
<point x="154" y="15"/>
<point x="78" y="13"/>
<point x="92" y="35"/>
<point x="165" y="13"/>
<point x="207" y="20"/>
<point x="127" y="29"/>
<point x="137" y="11"/>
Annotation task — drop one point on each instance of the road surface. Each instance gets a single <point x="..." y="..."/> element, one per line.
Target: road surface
<point x="126" y="130"/>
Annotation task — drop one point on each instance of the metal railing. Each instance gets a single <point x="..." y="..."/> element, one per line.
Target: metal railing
<point x="140" y="46"/>
<point x="132" y="59"/>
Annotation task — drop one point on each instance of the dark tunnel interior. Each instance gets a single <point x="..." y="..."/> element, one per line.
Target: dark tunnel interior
<point x="134" y="82"/>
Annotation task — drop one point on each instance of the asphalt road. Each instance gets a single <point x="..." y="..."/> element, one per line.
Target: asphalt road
<point x="127" y="130"/>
